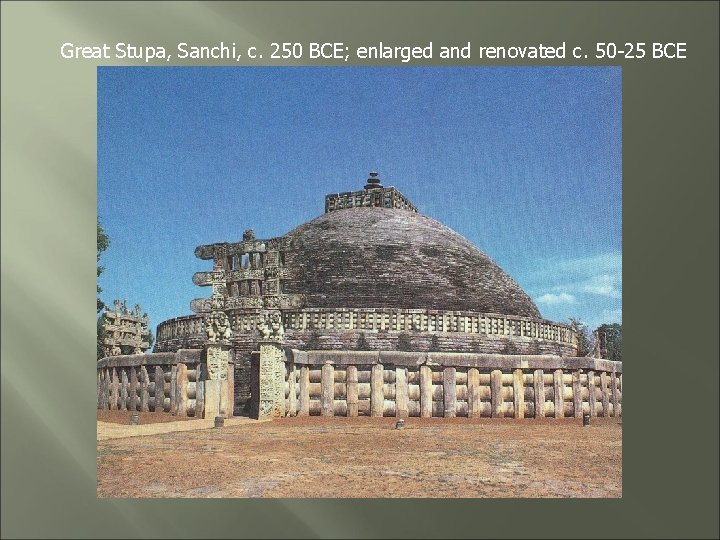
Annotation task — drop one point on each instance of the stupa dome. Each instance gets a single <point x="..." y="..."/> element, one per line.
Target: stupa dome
<point x="370" y="273"/>
<point x="374" y="257"/>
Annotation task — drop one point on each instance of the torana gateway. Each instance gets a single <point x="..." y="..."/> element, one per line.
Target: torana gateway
<point x="371" y="309"/>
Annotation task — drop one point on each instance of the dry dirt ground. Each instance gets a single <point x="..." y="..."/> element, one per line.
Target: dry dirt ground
<point x="359" y="457"/>
<point x="123" y="417"/>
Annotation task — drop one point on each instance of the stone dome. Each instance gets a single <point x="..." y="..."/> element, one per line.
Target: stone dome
<point x="374" y="257"/>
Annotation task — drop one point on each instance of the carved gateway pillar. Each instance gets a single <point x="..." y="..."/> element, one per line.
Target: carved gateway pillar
<point x="216" y="366"/>
<point x="268" y="390"/>
<point x="269" y="395"/>
<point x="218" y="390"/>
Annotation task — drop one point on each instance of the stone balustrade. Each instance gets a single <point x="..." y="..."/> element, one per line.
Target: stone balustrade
<point x="376" y="383"/>
<point x="407" y="384"/>
<point x="380" y="197"/>
<point x="189" y="330"/>
<point x="419" y="320"/>
<point x="159" y="382"/>
<point x="181" y="328"/>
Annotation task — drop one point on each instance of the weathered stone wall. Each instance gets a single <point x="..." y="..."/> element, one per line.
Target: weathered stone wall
<point x="405" y="384"/>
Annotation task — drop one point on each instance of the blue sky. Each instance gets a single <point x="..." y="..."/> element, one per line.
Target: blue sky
<point x="524" y="162"/>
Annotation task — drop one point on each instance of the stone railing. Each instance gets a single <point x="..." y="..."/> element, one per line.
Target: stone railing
<point x="189" y="332"/>
<point x="186" y="332"/>
<point x="402" y="384"/>
<point x="159" y="382"/>
<point x="181" y="327"/>
<point x="422" y="320"/>
<point x="380" y="197"/>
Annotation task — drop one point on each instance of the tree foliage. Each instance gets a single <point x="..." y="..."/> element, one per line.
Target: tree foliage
<point x="583" y="334"/>
<point x="100" y="336"/>
<point x="103" y="242"/>
<point x="613" y="340"/>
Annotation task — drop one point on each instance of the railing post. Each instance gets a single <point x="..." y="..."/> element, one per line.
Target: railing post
<point x="352" y="390"/>
<point x="558" y="389"/>
<point x="449" y="392"/>
<point x="519" y="393"/>
<point x="377" y="395"/>
<point x="539" y="385"/>
<point x="327" y="395"/>
<point x="425" y="391"/>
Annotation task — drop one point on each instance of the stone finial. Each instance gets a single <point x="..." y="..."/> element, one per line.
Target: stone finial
<point x="373" y="182"/>
<point x="249" y="234"/>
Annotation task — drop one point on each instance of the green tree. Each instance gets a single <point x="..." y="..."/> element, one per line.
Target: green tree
<point x="613" y="340"/>
<point x="583" y="334"/>
<point x="102" y="244"/>
<point x="100" y="336"/>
